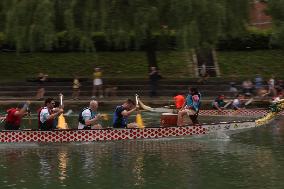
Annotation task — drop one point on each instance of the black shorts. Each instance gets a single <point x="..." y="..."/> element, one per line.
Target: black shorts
<point x="119" y="126"/>
<point x="9" y="126"/>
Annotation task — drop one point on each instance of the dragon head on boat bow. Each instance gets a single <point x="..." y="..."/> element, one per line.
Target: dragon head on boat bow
<point x="274" y="110"/>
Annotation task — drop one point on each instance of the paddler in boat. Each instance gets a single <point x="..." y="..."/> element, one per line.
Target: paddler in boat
<point x="238" y="102"/>
<point x="47" y="114"/>
<point x="121" y="114"/>
<point x="219" y="103"/>
<point x="89" y="117"/>
<point x="190" y="107"/>
<point x="14" y="116"/>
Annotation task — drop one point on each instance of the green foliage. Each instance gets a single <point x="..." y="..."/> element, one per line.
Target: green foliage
<point x="275" y="9"/>
<point x="253" y="39"/>
<point x="41" y="25"/>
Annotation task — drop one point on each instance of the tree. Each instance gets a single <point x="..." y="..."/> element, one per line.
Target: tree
<point x="275" y="9"/>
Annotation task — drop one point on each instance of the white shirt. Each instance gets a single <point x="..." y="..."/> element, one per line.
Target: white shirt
<point x="44" y="114"/>
<point x="87" y="115"/>
<point x="236" y="103"/>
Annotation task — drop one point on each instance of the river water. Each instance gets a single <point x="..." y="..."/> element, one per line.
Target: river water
<point x="252" y="159"/>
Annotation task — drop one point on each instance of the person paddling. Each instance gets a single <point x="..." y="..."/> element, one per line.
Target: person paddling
<point x="47" y="114"/>
<point x="219" y="103"/>
<point x="238" y="102"/>
<point x="14" y="116"/>
<point x="121" y="114"/>
<point x="190" y="107"/>
<point x="89" y="118"/>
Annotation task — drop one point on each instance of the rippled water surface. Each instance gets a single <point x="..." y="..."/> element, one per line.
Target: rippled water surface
<point x="252" y="159"/>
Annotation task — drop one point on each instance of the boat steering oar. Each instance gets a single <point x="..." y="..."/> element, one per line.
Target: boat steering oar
<point x="139" y="119"/>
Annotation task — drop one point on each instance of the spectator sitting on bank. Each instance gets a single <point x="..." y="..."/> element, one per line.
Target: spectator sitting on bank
<point x="247" y="87"/>
<point x="277" y="98"/>
<point x="271" y="86"/>
<point x="279" y="86"/>
<point x="76" y="88"/>
<point x="258" y="82"/>
<point x="41" y="78"/>
<point x="233" y="88"/>
<point x="259" y="89"/>
<point x="110" y="91"/>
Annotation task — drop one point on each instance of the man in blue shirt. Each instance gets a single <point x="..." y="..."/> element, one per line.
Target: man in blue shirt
<point x="121" y="114"/>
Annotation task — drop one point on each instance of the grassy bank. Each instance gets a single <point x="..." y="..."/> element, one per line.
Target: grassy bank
<point x="118" y="64"/>
<point x="134" y="64"/>
<point x="249" y="63"/>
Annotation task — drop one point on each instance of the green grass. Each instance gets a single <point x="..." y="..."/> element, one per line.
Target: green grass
<point x="250" y="63"/>
<point x="114" y="64"/>
<point x="134" y="64"/>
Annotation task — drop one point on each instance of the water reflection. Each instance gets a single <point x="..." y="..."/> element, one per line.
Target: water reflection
<point x="62" y="166"/>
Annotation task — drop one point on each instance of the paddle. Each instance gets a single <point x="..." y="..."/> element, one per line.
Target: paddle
<point x="252" y="99"/>
<point x="249" y="101"/>
<point x="228" y="104"/>
<point x="139" y="119"/>
<point x="61" y="120"/>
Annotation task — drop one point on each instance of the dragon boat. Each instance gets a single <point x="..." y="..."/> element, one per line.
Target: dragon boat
<point x="111" y="134"/>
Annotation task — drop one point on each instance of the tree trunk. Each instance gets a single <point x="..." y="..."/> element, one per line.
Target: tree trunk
<point x="150" y="49"/>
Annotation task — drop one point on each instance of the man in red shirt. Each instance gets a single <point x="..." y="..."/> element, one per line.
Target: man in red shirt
<point x="14" y="116"/>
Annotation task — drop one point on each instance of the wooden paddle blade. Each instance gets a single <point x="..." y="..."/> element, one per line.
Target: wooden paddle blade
<point x="228" y="104"/>
<point x="249" y="101"/>
<point x="105" y="117"/>
<point x="61" y="122"/>
<point x="139" y="121"/>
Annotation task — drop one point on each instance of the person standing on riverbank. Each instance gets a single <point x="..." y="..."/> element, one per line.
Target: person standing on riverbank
<point x="98" y="83"/>
<point x="14" y="117"/>
<point x="41" y="78"/>
<point x="154" y="77"/>
<point x="88" y="117"/>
